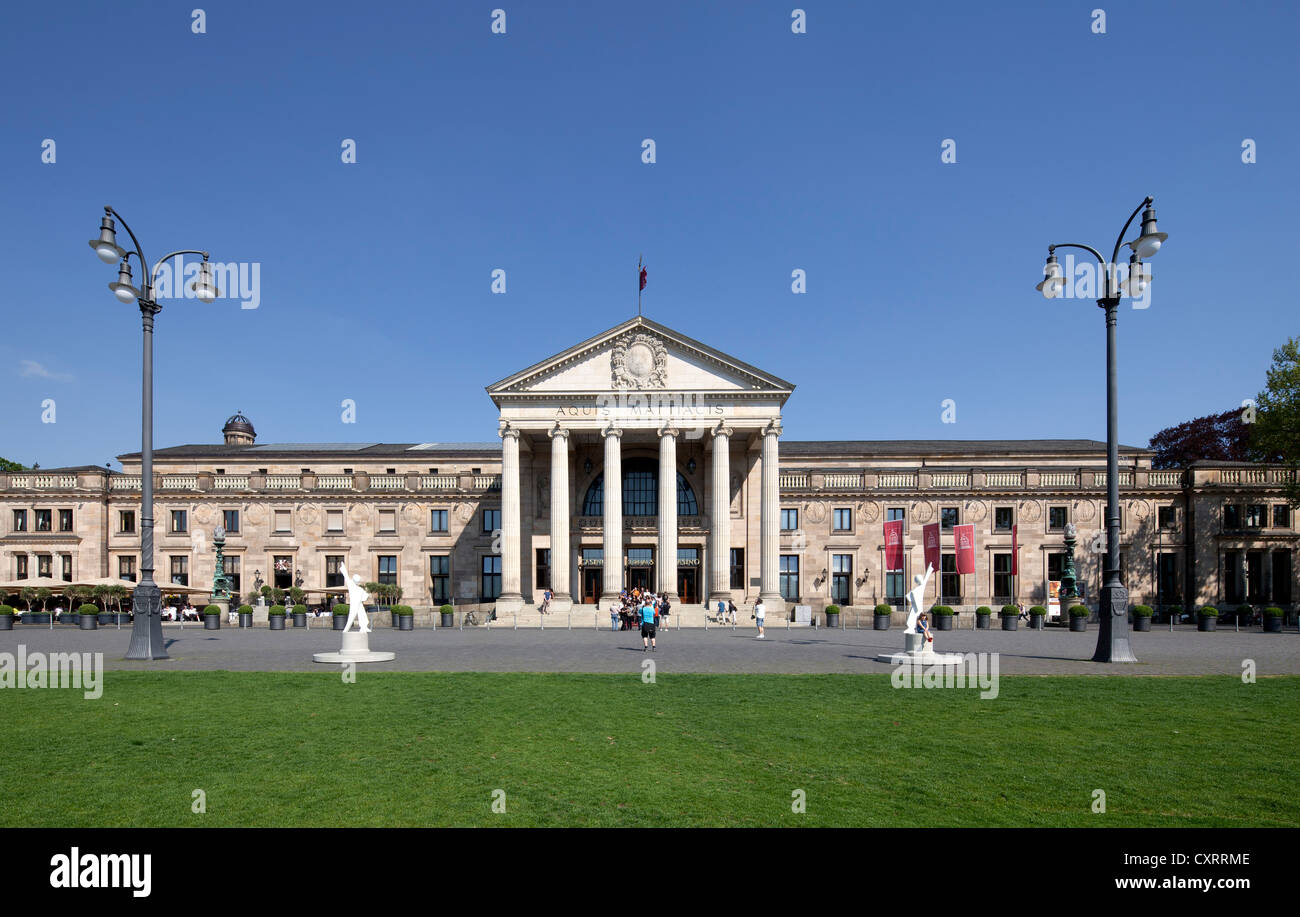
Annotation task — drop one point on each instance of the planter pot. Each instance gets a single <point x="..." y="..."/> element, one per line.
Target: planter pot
<point x="1207" y="623"/>
<point x="105" y="617"/>
<point x="832" y="620"/>
<point x="246" y="620"/>
<point x="396" y="619"/>
<point x="1272" y="625"/>
<point x="1011" y="623"/>
<point x="1078" y="625"/>
<point x="448" y="620"/>
<point x="881" y="622"/>
<point x="276" y="622"/>
<point x="943" y="622"/>
<point x="36" y="617"/>
<point x="1142" y="623"/>
<point x="88" y="622"/>
<point x="982" y="622"/>
<point x="406" y="622"/>
<point x="69" y="619"/>
<point x="340" y="621"/>
<point x="299" y="620"/>
<point x="212" y="622"/>
<point x="6" y="622"/>
<point x="1037" y="622"/>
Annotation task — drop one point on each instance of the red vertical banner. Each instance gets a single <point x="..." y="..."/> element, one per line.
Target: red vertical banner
<point x="894" y="545"/>
<point x="930" y="535"/>
<point x="963" y="539"/>
<point x="1015" y="553"/>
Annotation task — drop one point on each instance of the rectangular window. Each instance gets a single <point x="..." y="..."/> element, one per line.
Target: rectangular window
<point x="1165" y="517"/>
<point x="1282" y="576"/>
<point x="282" y="567"/>
<point x="543" y="580"/>
<point x="1281" y="516"/>
<point x="789" y="520"/>
<point x="440" y="575"/>
<point x="1254" y="576"/>
<point x="20" y="520"/>
<point x="1001" y="579"/>
<point x="438" y="520"/>
<point x="1231" y="516"/>
<point x="491" y="520"/>
<point x="948" y="518"/>
<point x="65" y="564"/>
<point x="230" y="521"/>
<point x="843" y="520"/>
<point x="1055" y="566"/>
<point x="1003" y="518"/>
<point x="334" y="520"/>
<point x="790" y="577"/>
<point x="490" y="579"/>
<point x="20" y="566"/>
<point x="42" y="520"/>
<point x="43" y="565"/>
<point x="333" y="571"/>
<point x="1057" y="518"/>
<point x="1167" y="591"/>
<point x="180" y="570"/>
<point x="894" y="593"/>
<point x="179" y="523"/>
<point x="387" y="521"/>
<point x="1256" y="515"/>
<point x="126" y="569"/>
<point x="233" y="570"/>
<point x="65" y="520"/>
<point x="126" y="521"/>
<point x="283" y="520"/>
<point x="895" y="514"/>
<point x="737" y="568"/>
<point x="387" y="569"/>
<point x="842" y="579"/>
<point x="950" y="579"/>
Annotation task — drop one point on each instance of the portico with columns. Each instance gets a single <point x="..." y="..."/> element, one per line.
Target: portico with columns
<point x="692" y="436"/>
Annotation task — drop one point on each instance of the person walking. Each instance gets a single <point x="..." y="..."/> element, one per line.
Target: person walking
<point x="647" y="627"/>
<point x="760" y="612"/>
<point x="546" y="601"/>
<point x="731" y="607"/>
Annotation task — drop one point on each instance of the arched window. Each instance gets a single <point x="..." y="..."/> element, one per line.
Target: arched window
<point x="640" y="492"/>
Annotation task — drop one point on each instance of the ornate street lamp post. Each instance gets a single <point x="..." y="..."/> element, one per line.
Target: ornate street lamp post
<point x="1112" y="638"/>
<point x="146" y="632"/>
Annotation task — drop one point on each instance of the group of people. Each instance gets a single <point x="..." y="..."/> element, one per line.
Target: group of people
<point x="638" y="607"/>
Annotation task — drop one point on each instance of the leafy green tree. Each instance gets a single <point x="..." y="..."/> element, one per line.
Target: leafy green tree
<point x="1275" y="435"/>
<point x="6" y="465"/>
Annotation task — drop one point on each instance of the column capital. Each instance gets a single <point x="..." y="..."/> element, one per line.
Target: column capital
<point x="669" y="430"/>
<point x="504" y="429"/>
<point x="611" y="430"/>
<point x="773" y="427"/>
<point x="557" y="431"/>
<point x="722" y="430"/>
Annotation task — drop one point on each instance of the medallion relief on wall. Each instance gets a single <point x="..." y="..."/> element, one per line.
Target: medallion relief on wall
<point x="411" y="514"/>
<point x="924" y="512"/>
<point x="815" y="512"/>
<point x="202" y="515"/>
<point x="976" y="511"/>
<point x="868" y="512"/>
<point x="465" y="511"/>
<point x="638" y="361"/>
<point x="1085" y="510"/>
<point x="1030" y="511"/>
<point x="255" y="514"/>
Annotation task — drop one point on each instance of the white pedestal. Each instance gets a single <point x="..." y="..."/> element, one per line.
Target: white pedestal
<point x="356" y="648"/>
<point x="918" y="652"/>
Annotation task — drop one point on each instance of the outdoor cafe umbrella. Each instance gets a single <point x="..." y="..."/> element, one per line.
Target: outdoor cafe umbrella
<point x="59" y="587"/>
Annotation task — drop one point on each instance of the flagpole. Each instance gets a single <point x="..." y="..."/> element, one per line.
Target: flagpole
<point x="638" y="285"/>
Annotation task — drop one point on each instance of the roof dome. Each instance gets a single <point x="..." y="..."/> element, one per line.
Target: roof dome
<point x="238" y="430"/>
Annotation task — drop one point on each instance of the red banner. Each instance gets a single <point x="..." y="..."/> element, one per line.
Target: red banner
<point x="894" y="545"/>
<point x="963" y="539"/>
<point x="1015" y="553"/>
<point x="930" y="535"/>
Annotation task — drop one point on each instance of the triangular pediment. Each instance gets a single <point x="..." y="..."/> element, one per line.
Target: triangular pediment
<point x="640" y="355"/>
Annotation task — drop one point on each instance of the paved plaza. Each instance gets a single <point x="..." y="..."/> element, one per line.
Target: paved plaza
<point x="717" y="650"/>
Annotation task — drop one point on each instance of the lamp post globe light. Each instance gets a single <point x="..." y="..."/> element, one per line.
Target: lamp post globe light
<point x="1112" y="637"/>
<point x="146" y="631"/>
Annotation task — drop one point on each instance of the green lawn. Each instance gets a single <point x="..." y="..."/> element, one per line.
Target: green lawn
<point x="430" y="749"/>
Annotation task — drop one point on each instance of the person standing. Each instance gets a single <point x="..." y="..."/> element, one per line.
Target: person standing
<point x="760" y="612"/>
<point x="647" y="626"/>
<point x="546" y="601"/>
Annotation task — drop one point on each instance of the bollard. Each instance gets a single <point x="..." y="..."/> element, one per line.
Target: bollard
<point x="516" y="620"/>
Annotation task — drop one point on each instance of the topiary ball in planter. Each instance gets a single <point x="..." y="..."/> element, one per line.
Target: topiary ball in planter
<point x="1142" y="618"/>
<point x="1273" y="620"/>
<point x="448" y="615"/>
<point x="1010" y="615"/>
<point x="881" y="617"/>
<point x="941" y="615"/>
<point x="300" y="616"/>
<point x="89" y="617"/>
<point x="1079" y="617"/>
<point x="245" y="613"/>
<point x="1208" y="619"/>
<point x="212" y="617"/>
<point x="404" y="615"/>
<point x="275" y="617"/>
<point x="6" y="618"/>
<point x="341" y="612"/>
<point x="832" y="616"/>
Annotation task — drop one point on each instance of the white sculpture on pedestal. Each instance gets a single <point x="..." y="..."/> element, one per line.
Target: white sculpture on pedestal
<point x="356" y="643"/>
<point x="915" y="597"/>
<point x="356" y="602"/>
<point x="917" y="645"/>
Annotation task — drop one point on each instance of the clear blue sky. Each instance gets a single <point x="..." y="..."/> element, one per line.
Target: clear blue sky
<point x="522" y="151"/>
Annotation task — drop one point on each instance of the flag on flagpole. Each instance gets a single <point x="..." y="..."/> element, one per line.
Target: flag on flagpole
<point x="642" y="280"/>
<point x="930" y="535"/>
<point x="1015" y="553"/>
<point x="894" y="545"/>
<point x="963" y="537"/>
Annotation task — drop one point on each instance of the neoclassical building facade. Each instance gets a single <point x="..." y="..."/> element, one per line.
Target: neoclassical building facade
<point x="713" y="502"/>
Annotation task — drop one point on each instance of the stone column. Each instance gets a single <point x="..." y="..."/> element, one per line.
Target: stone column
<point x="770" y="521"/>
<point x="511" y="598"/>
<point x="613" y="512"/>
<point x="720" y="524"/>
<point x="666" y="563"/>
<point x="563" y="599"/>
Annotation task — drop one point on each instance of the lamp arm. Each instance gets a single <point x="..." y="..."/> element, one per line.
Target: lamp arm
<point x="139" y="253"/>
<point x="153" y="275"/>
<point x="1132" y="216"/>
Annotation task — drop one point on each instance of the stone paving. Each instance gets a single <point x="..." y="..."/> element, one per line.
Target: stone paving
<point x="797" y="650"/>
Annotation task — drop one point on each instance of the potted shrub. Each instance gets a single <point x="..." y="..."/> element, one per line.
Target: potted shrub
<point x="448" y="616"/>
<point x="1079" y="617"/>
<point x="1272" y="620"/>
<point x="1037" y="617"/>
<point x="832" y="616"/>
<point x="404" y="615"/>
<point x="1142" y="618"/>
<point x="300" y="616"/>
<point x="941" y="615"/>
<point x="1209" y="619"/>
<point x="245" y="615"/>
<point x="212" y="617"/>
<point x="1245" y="615"/>
<point x="881" y="617"/>
<point x="89" y="616"/>
<point x="6" y="618"/>
<point x="1010" y="616"/>
<point x="275" y="617"/>
<point x="1175" y="613"/>
<point x="341" y="612"/>
<point x="983" y="615"/>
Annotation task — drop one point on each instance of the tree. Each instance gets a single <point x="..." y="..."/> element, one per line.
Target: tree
<point x="1221" y="437"/>
<point x="1276" y="431"/>
<point x="6" y="465"/>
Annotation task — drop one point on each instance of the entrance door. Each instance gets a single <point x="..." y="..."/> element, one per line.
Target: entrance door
<point x="640" y="577"/>
<point x="593" y="580"/>
<point x="687" y="590"/>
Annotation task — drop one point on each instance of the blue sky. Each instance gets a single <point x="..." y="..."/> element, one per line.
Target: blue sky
<point x="522" y="151"/>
